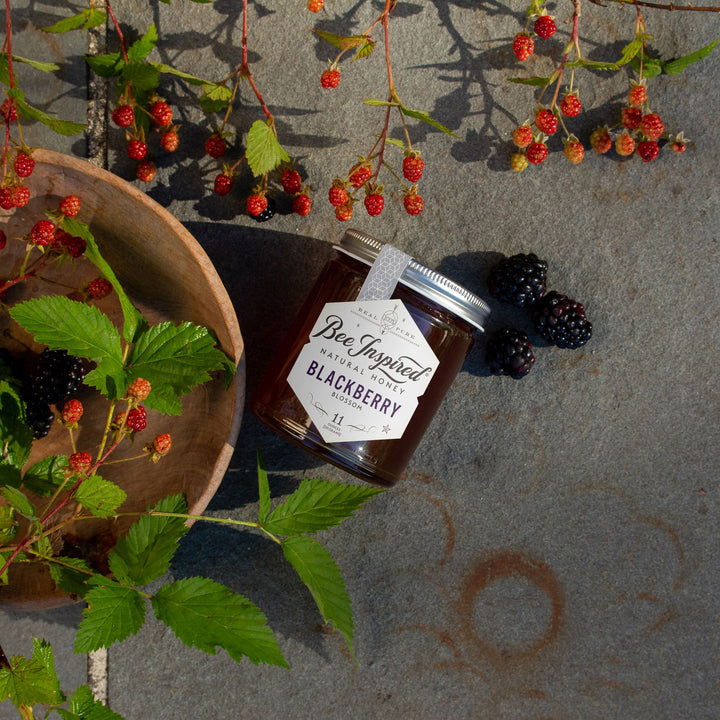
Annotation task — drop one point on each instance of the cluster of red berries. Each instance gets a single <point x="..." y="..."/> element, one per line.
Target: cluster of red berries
<point x="14" y="193"/>
<point x="639" y="130"/>
<point x="160" y="115"/>
<point x="523" y="45"/>
<point x="342" y="191"/>
<point x="51" y="237"/>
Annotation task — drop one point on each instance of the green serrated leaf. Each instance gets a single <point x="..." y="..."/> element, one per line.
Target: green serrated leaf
<point x="264" y="153"/>
<point x="343" y="42"/>
<point x="82" y="330"/>
<point x="536" y="80"/>
<point x="318" y="505"/>
<point x="106" y="66"/>
<point x="29" y="681"/>
<point x="170" y="70"/>
<point x="630" y="51"/>
<point x="132" y="317"/>
<point x="71" y="575"/>
<point x="316" y="568"/>
<point x="45" y="67"/>
<point x="207" y="615"/>
<point x="43" y="654"/>
<point x="142" y="47"/>
<point x="19" y="501"/>
<point x="650" y="67"/>
<point x="15" y="435"/>
<point x="425" y="117"/>
<point x="46" y="475"/>
<point x="89" y="18"/>
<point x="100" y="497"/>
<point x="62" y="127"/>
<point x="365" y="50"/>
<point x="83" y="706"/>
<point x="174" y="359"/>
<point x="592" y="64"/>
<point x="141" y="76"/>
<point x="396" y="142"/>
<point x="675" y="67"/>
<point x="146" y="550"/>
<point x="114" y="613"/>
<point x="264" y="490"/>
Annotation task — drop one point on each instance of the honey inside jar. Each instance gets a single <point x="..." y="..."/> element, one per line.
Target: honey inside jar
<point x="446" y="316"/>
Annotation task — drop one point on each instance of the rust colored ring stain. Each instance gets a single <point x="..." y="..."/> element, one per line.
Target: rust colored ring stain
<point x="509" y="564"/>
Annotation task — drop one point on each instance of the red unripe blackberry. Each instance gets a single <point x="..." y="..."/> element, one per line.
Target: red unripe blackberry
<point x="344" y="212"/>
<point x="648" y="150"/>
<point x="215" y="146"/>
<point x="413" y="166"/>
<point x="146" y="171"/>
<point x="99" y="288"/>
<point x="170" y="141"/>
<point x="301" y="205"/>
<point x="337" y="195"/>
<point x="138" y="389"/>
<point x="631" y="117"/>
<point x="161" y="113"/>
<point x="291" y="181"/>
<point x="42" y="232"/>
<point x="162" y="444"/>
<point x="574" y="150"/>
<point x="72" y="244"/>
<point x="72" y="411"/>
<point x="267" y="213"/>
<point x="136" y="149"/>
<point x="637" y="95"/>
<point x="8" y="110"/>
<point x="315" y="6"/>
<point x="536" y="152"/>
<point x="600" y="140"/>
<point x="523" y="135"/>
<point x="123" y="115"/>
<point x="624" y="145"/>
<point x="374" y="204"/>
<point x="651" y="126"/>
<point x="360" y="175"/>
<point x="523" y="46"/>
<point x="256" y="203"/>
<point x="20" y="195"/>
<point x="570" y="105"/>
<point x="70" y="205"/>
<point x="546" y="121"/>
<point x="544" y="27"/>
<point x="223" y="184"/>
<point x="80" y="462"/>
<point x="137" y="419"/>
<point x="6" y="199"/>
<point x="413" y="203"/>
<point x="330" y="78"/>
<point x="23" y="164"/>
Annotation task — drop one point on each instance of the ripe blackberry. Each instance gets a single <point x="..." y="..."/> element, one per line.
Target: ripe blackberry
<point x="561" y="321"/>
<point x="38" y="416"/>
<point x="509" y="352"/>
<point x="57" y="376"/>
<point x="518" y="280"/>
<point x="267" y="213"/>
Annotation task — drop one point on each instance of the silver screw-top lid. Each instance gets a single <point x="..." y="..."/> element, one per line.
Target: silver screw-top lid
<point x="421" y="279"/>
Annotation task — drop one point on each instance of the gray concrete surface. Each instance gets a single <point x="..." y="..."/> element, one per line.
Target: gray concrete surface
<point x="552" y="551"/>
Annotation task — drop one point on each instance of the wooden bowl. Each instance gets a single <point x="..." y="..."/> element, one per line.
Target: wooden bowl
<point x="168" y="276"/>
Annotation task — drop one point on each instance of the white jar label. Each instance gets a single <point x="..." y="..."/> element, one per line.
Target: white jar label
<point x="362" y="371"/>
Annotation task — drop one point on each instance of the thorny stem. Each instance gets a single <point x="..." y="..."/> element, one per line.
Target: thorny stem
<point x="30" y="537"/>
<point x="8" y="46"/>
<point x="224" y="521"/>
<point x="121" y="37"/>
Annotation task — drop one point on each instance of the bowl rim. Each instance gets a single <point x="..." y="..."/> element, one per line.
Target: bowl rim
<point x="52" y="158"/>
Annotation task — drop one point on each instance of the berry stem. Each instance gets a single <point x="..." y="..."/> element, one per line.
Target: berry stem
<point x="121" y="37"/>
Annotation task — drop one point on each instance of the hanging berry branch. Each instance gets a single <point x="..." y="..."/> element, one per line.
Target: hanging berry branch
<point x="639" y="130"/>
<point x="364" y="174"/>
